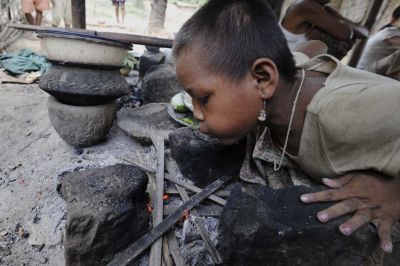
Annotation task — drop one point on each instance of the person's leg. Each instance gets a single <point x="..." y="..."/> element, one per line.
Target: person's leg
<point x="39" y="16"/>
<point x="68" y="14"/>
<point x="27" y="9"/>
<point x="123" y="12"/>
<point x="29" y="18"/>
<point x="117" y="11"/>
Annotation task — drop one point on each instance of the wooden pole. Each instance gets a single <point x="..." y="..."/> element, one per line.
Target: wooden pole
<point x="78" y="14"/>
<point x="359" y="47"/>
<point x="129" y="38"/>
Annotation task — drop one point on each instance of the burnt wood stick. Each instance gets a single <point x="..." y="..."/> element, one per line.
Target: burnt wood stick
<point x="195" y="189"/>
<point x="215" y="257"/>
<point x="156" y="248"/>
<point x="220" y="193"/>
<point x="167" y="260"/>
<point x="188" y="186"/>
<point x="174" y="249"/>
<point x="128" y="255"/>
<point x="211" y="211"/>
<point x="123" y="37"/>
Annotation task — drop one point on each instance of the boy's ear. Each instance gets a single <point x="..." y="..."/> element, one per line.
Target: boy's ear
<point x="265" y="72"/>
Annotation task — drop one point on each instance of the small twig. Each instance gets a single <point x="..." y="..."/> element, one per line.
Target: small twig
<point x="41" y="135"/>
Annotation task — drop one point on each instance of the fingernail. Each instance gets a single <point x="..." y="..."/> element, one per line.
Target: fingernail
<point x="388" y="247"/>
<point x="346" y="230"/>
<point x="323" y="217"/>
<point x="304" y="198"/>
<point x="326" y="180"/>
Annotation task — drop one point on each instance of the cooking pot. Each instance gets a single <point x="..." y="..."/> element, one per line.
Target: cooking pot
<point x="80" y="48"/>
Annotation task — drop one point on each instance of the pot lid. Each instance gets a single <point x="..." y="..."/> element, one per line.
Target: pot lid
<point x="84" y="37"/>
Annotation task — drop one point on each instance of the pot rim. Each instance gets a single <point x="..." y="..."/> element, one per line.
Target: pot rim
<point x="64" y="63"/>
<point x="84" y="37"/>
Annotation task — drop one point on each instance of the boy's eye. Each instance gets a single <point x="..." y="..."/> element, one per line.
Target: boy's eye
<point x="203" y="100"/>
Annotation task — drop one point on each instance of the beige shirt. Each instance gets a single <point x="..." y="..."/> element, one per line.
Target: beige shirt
<point x="352" y="123"/>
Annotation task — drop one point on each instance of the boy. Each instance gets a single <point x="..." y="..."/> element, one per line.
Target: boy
<point x="339" y="124"/>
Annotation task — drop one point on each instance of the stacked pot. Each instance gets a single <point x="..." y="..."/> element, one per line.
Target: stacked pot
<point x="84" y="81"/>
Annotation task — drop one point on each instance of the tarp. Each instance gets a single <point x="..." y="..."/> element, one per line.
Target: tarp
<point x="24" y="62"/>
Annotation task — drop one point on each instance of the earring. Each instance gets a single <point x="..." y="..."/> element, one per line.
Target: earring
<point x="263" y="113"/>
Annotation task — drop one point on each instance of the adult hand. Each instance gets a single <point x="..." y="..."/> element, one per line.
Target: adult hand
<point x="369" y="196"/>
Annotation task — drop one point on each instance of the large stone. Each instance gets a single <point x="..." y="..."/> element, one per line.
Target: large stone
<point x="106" y="211"/>
<point x="203" y="159"/>
<point x="160" y="84"/>
<point x="81" y="126"/>
<point x="147" y="121"/>
<point x="82" y="86"/>
<point x="261" y="226"/>
<point x="151" y="57"/>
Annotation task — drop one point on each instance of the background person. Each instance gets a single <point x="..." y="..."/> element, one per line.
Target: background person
<point x="39" y="6"/>
<point x="61" y="10"/>
<point x="119" y="4"/>
<point x="395" y="18"/>
<point x="381" y="54"/>
<point x="314" y="20"/>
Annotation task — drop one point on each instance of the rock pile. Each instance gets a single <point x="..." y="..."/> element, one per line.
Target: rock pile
<point x="82" y="107"/>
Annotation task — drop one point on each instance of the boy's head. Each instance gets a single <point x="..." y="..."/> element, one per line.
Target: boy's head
<point x="232" y="34"/>
<point x="396" y="13"/>
<point x="396" y="16"/>
<point x="230" y="57"/>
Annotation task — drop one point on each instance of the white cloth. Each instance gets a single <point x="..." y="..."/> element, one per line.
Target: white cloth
<point x="377" y="48"/>
<point x="293" y="39"/>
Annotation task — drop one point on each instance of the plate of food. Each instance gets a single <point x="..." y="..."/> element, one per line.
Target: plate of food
<point x="180" y="109"/>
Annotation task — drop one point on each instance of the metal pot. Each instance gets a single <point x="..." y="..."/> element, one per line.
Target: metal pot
<point x="68" y="47"/>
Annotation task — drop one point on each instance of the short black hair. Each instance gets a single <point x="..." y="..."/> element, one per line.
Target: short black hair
<point x="396" y="13"/>
<point x="233" y="34"/>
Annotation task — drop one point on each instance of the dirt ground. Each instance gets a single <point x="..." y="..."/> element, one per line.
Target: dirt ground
<point x="32" y="155"/>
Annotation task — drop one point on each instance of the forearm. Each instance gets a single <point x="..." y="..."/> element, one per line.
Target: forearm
<point x="358" y="30"/>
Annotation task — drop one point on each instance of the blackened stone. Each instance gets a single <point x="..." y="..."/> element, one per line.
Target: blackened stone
<point x="160" y="84"/>
<point x="81" y="126"/>
<point x="83" y="87"/>
<point x="149" y="58"/>
<point x="203" y="159"/>
<point x="106" y="211"/>
<point x="144" y="121"/>
<point x="261" y="226"/>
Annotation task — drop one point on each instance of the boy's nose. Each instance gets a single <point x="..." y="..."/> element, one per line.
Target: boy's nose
<point x="197" y="113"/>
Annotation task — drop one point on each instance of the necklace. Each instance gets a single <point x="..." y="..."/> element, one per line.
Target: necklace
<point x="278" y="165"/>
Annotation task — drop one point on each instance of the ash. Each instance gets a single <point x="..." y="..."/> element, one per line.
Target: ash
<point x="190" y="242"/>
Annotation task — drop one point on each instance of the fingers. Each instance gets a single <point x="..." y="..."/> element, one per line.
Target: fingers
<point x="344" y="207"/>
<point x="325" y="196"/>
<point x="337" y="182"/>
<point x="359" y="219"/>
<point x="384" y="228"/>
